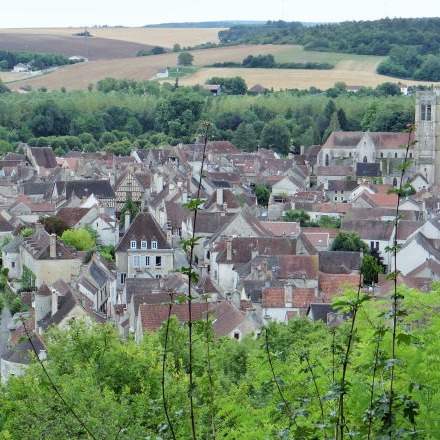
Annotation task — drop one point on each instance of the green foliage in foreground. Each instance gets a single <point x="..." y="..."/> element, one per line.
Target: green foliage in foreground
<point x="283" y="386"/>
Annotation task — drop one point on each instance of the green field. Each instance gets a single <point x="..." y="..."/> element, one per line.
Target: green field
<point x="299" y="55"/>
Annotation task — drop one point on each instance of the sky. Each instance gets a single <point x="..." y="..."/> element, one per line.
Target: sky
<point x="135" y="13"/>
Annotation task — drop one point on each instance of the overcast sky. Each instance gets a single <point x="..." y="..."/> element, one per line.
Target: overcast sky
<point x="134" y="13"/>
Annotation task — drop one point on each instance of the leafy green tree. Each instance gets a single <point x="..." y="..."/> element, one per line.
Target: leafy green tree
<point x="158" y="50"/>
<point x="54" y="225"/>
<point x="80" y="239"/>
<point x="295" y="215"/>
<point x="185" y="59"/>
<point x="178" y="112"/>
<point x="388" y="89"/>
<point x="370" y="269"/>
<point x="245" y="137"/>
<point x="176" y="47"/>
<point x="349" y="241"/>
<point x="276" y="136"/>
<point x="262" y="192"/>
<point x="131" y="208"/>
<point x="230" y="86"/>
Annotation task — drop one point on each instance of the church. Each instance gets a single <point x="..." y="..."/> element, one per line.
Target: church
<point x="377" y="156"/>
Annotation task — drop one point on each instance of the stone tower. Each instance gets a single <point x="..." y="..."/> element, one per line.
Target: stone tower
<point x="427" y="148"/>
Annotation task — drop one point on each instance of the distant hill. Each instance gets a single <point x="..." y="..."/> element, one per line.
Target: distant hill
<point x="205" y="24"/>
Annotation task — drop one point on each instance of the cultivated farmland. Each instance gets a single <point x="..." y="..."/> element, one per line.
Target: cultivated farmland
<point x="112" y="53"/>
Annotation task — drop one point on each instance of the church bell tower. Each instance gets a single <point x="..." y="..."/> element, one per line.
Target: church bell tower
<point x="427" y="148"/>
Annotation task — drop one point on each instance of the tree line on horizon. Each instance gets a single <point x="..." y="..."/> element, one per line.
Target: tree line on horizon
<point x="411" y="44"/>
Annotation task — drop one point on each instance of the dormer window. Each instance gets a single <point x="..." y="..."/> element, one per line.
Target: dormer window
<point x="144" y="244"/>
<point x="133" y="244"/>
<point x="153" y="244"/>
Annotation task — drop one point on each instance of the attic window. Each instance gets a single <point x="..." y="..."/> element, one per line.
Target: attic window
<point x="144" y="244"/>
<point x="154" y="244"/>
<point x="133" y="244"/>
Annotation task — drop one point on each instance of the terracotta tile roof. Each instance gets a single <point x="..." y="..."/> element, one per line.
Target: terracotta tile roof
<point x="384" y="200"/>
<point x="226" y="316"/>
<point x="299" y="266"/>
<point x="302" y="298"/>
<point x="340" y="208"/>
<point x="281" y="229"/>
<point x="319" y="239"/>
<point x="331" y="284"/>
<point x="72" y="215"/>
<point x="333" y="232"/>
<point x="242" y="248"/>
<point x="273" y="297"/>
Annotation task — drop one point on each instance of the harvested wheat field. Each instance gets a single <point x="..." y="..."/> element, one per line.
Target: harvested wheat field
<point x="280" y="79"/>
<point x="79" y="76"/>
<point x="165" y="37"/>
<point x="112" y="53"/>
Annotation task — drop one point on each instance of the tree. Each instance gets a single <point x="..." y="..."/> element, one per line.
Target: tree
<point x="185" y="59"/>
<point x="80" y="239"/>
<point x="297" y="216"/>
<point x="276" y="136"/>
<point x="262" y="192"/>
<point x="131" y="208"/>
<point x="349" y="241"/>
<point x="370" y="269"/>
<point x="157" y="50"/>
<point x="245" y="137"/>
<point x="54" y="225"/>
<point x="176" y="47"/>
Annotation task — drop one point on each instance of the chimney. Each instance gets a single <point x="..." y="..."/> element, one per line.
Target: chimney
<point x="54" y="302"/>
<point x="219" y="196"/>
<point x="42" y="303"/>
<point x="229" y="249"/>
<point x="126" y="221"/>
<point x="53" y="246"/>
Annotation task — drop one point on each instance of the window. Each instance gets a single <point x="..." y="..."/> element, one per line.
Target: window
<point x="160" y="261"/>
<point x="12" y="264"/>
<point x="144" y="244"/>
<point x="365" y="159"/>
<point x="371" y="245"/>
<point x="425" y="112"/>
<point x="158" y="275"/>
<point x="395" y="181"/>
<point x="136" y="261"/>
<point x="410" y="155"/>
<point x="326" y="160"/>
<point x="133" y="244"/>
<point x="147" y="261"/>
<point x="123" y="276"/>
<point x="381" y="154"/>
<point x="377" y="245"/>
<point x="154" y="244"/>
